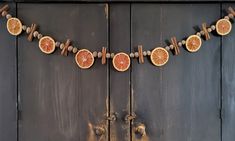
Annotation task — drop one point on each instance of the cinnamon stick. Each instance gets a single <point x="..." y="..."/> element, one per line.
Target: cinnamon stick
<point x="175" y="45"/>
<point x="206" y="33"/>
<point x="65" y="49"/>
<point x="103" y="60"/>
<point x="230" y="9"/>
<point x="32" y="29"/>
<point x="4" y="8"/>
<point x="141" y="56"/>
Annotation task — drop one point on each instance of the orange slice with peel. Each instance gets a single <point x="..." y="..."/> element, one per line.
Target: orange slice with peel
<point x="223" y="27"/>
<point x="47" y="45"/>
<point x="14" y="26"/>
<point x="84" y="59"/>
<point x="121" y="61"/>
<point x="159" y="56"/>
<point x="193" y="43"/>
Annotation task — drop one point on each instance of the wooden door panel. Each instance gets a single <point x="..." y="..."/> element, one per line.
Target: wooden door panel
<point x="141" y="1"/>
<point x="179" y="101"/>
<point x="228" y="83"/>
<point x="8" y="83"/>
<point x="120" y="82"/>
<point x="59" y="100"/>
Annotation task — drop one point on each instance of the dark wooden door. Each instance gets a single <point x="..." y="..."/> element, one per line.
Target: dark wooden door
<point x="47" y="97"/>
<point x="179" y="101"/>
<point x="8" y="83"/>
<point x="58" y="100"/>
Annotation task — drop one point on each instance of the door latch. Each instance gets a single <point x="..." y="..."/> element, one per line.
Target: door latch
<point x="112" y="117"/>
<point x="130" y="117"/>
<point x="99" y="130"/>
<point x="140" y="129"/>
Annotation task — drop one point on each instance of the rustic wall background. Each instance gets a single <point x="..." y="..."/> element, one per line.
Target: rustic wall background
<point x="48" y="98"/>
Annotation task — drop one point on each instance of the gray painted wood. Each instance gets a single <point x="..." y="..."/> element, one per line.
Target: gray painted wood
<point x="8" y="83"/>
<point x="7" y="1"/>
<point x="228" y="84"/>
<point x="179" y="101"/>
<point x="59" y="100"/>
<point x="127" y="1"/>
<point x="120" y="82"/>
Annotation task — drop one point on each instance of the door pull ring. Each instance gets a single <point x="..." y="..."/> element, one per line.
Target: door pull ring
<point x="140" y="129"/>
<point x="99" y="130"/>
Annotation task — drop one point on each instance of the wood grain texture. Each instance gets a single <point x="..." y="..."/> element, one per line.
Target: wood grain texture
<point x="8" y="82"/>
<point x="228" y="83"/>
<point x="59" y="100"/>
<point x="179" y="101"/>
<point x="7" y="1"/>
<point x="124" y="1"/>
<point x="120" y="82"/>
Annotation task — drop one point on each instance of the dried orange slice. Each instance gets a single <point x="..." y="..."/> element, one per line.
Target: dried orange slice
<point x="47" y="45"/>
<point x="84" y="59"/>
<point x="223" y="26"/>
<point x="159" y="56"/>
<point x="121" y="61"/>
<point x="14" y="26"/>
<point x="193" y="43"/>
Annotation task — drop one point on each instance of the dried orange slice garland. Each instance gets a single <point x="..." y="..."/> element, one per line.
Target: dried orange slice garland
<point x="47" y="45"/>
<point x="14" y="26"/>
<point x="193" y="43"/>
<point x="121" y="61"/>
<point x="84" y="59"/>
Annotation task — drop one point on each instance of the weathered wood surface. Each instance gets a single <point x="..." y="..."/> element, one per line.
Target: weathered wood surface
<point x="8" y="83"/>
<point x="228" y="84"/>
<point x="127" y="1"/>
<point x="120" y="82"/>
<point x="59" y="100"/>
<point x="179" y="101"/>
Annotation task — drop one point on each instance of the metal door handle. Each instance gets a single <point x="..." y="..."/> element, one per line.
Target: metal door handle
<point x="99" y="130"/>
<point x="140" y="129"/>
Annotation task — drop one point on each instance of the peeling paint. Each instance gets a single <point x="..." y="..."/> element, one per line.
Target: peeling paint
<point x="143" y="138"/>
<point x="107" y="106"/>
<point x="106" y="10"/>
<point x="91" y="134"/>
